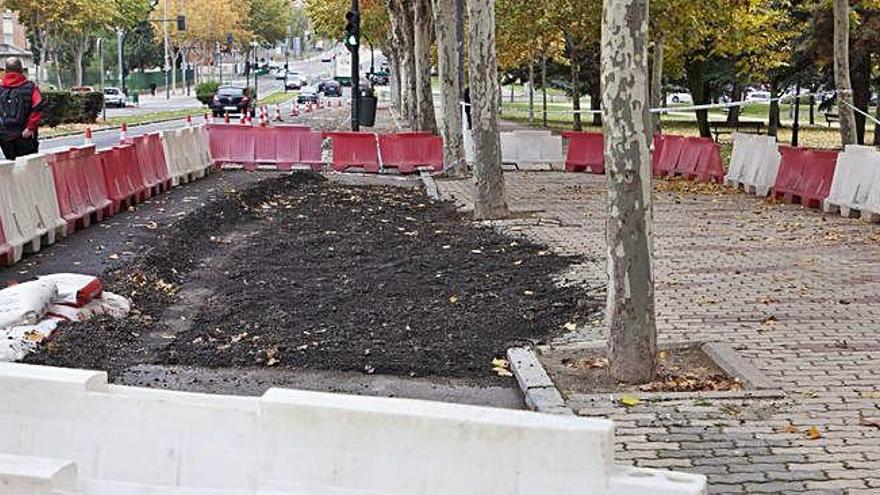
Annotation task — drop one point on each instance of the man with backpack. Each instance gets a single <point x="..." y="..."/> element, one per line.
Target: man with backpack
<point x="20" y="105"/>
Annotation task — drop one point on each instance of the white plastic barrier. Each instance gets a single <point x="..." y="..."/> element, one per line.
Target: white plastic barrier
<point x="754" y="163"/>
<point x="134" y="441"/>
<point x="530" y="147"/>
<point x="186" y="153"/>
<point x="856" y="183"/>
<point x="29" y="205"/>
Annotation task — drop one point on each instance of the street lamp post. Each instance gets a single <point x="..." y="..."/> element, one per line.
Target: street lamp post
<point x="99" y="47"/>
<point x="120" y="73"/>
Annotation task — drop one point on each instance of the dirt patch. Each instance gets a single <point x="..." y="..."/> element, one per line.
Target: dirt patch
<point x="295" y="272"/>
<point x="685" y="369"/>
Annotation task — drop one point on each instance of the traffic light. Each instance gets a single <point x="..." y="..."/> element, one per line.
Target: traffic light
<point x="352" y="30"/>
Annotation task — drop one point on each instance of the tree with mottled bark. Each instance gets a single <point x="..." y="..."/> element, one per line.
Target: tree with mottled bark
<point x="424" y="40"/>
<point x="450" y="90"/>
<point x="841" y="73"/>
<point x="489" y="201"/>
<point x="632" y="332"/>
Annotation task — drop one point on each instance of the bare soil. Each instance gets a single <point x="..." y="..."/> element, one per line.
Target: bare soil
<point x="684" y="369"/>
<point x="294" y="272"/>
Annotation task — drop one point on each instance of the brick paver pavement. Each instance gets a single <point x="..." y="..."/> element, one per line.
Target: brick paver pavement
<point x="794" y="291"/>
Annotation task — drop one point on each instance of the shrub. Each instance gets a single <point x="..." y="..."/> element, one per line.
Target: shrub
<point x="205" y="91"/>
<point x="63" y="107"/>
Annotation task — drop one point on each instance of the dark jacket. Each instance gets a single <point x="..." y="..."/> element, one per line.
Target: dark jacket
<point x="20" y="106"/>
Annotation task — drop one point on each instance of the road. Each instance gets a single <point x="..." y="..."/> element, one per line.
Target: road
<point x="314" y="69"/>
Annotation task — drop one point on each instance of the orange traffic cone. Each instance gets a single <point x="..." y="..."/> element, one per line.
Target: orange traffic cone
<point x="88" y="136"/>
<point x="123" y="132"/>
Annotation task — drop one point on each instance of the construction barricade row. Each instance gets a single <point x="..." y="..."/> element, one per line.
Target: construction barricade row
<point x="187" y="153"/>
<point x="855" y="188"/>
<point x="586" y="152"/>
<point x="29" y="211"/>
<point x="151" y="162"/>
<point x="80" y="186"/>
<point x="408" y="151"/>
<point x="531" y="147"/>
<point x="85" y="436"/>
<point x="122" y="175"/>
<point x="754" y="163"/>
<point x="282" y="147"/>
<point x="805" y="175"/>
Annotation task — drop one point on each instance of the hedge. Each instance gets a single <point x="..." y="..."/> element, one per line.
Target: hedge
<point x="63" y="107"/>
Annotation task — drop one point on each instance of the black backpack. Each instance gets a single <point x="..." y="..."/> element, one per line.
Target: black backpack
<point x="15" y="108"/>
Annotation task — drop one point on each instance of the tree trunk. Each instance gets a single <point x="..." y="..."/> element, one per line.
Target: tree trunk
<point x="57" y="68"/>
<point x="656" y="84"/>
<point x="532" y="90"/>
<point x="394" y="79"/>
<point x="489" y="202"/>
<point x="841" y="72"/>
<point x="699" y="90"/>
<point x="733" y="112"/>
<point x="596" y="104"/>
<point x="410" y="91"/>
<point x="576" y="94"/>
<point x="877" y="126"/>
<point x="424" y="40"/>
<point x="773" y="118"/>
<point x="632" y="332"/>
<point x="79" y="51"/>
<point x="860" y="76"/>
<point x="447" y="64"/>
<point x="544" y="87"/>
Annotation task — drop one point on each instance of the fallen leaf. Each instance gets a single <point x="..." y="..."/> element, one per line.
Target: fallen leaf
<point x="528" y="293"/>
<point x="501" y="367"/>
<point x="813" y="433"/>
<point x="875" y="422"/>
<point x="629" y="401"/>
<point x="453" y="299"/>
<point x="114" y="256"/>
<point x="570" y="327"/>
<point x="790" y="429"/>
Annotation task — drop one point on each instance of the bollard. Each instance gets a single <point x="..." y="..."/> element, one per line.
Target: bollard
<point x="123" y="132"/>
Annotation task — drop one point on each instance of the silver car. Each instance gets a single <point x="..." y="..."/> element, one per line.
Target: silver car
<point x="114" y="97"/>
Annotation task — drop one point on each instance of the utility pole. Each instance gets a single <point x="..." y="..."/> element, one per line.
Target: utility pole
<point x="120" y="73"/>
<point x="353" y="43"/>
<point x="99" y="47"/>
<point x="796" y="125"/>
<point x="167" y="47"/>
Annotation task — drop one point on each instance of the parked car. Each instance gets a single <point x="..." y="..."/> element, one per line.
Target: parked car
<point x="114" y="97"/>
<point x="678" y="96"/>
<point x="308" y="94"/>
<point x="230" y="99"/>
<point x="330" y="88"/>
<point x="279" y="73"/>
<point x="82" y="89"/>
<point x="758" y="96"/>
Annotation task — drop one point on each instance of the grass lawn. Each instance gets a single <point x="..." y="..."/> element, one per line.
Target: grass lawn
<point x="278" y="97"/>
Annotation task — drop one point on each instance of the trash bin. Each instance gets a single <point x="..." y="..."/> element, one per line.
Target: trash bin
<point x="134" y="99"/>
<point x="367" y="110"/>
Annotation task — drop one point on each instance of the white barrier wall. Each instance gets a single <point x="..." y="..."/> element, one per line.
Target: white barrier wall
<point x="856" y="183"/>
<point x="187" y="153"/>
<point x="132" y="441"/>
<point x="754" y="163"/>
<point x="530" y="147"/>
<point x="28" y="204"/>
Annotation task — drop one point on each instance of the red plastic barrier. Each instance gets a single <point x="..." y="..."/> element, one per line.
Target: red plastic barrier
<point x="151" y="161"/>
<point x="125" y="183"/>
<point x="265" y="144"/>
<point x="311" y="149"/>
<point x="409" y="150"/>
<point x="354" y="149"/>
<point x="690" y="157"/>
<point x="287" y="142"/>
<point x="232" y="143"/>
<point x="805" y="175"/>
<point x="80" y="186"/>
<point x="586" y="152"/>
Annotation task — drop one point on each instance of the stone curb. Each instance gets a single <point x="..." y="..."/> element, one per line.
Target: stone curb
<point x="430" y="185"/>
<point x="358" y="179"/>
<point x="541" y="395"/>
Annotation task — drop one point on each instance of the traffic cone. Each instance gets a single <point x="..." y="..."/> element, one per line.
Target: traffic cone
<point x="278" y="114"/>
<point x="207" y="119"/>
<point x="226" y="118"/>
<point x="189" y="121"/>
<point x="309" y="107"/>
<point x="294" y="110"/>
<point x="242" y="120"/>
<point x="88" y="136"/>
<point x="123" y="133"/>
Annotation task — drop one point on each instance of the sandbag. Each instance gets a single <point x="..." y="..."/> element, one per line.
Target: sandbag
<point x="26" y="303"/>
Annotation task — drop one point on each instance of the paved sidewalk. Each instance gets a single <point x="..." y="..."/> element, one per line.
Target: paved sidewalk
<point x="795" y="292"/>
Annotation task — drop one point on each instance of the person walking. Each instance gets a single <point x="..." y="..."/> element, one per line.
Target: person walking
<point x="20" y="106"/>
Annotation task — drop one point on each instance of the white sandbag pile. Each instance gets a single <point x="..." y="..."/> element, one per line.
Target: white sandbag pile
<point x="31" y="311"/>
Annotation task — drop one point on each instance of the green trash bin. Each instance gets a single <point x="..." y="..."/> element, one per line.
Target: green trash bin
<point x="134" y="99"/>
<point x="367" y="110"/>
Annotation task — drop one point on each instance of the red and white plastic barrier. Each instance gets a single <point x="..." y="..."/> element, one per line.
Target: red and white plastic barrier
<point x="754" y="163"/>
<point x="29" y="211"/>
<point x="80" y="186"/>
<point x="586" y="152"/>
<point x="855" y="187"/>
<point x="805" y="175"/>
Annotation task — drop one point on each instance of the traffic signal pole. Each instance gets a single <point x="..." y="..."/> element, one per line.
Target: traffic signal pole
<point x="353" y="34"/>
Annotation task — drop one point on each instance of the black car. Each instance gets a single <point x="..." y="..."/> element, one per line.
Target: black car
<point x="231" y="100"/>
<point x="330" y="88"/>
<point x="308" y="94"/>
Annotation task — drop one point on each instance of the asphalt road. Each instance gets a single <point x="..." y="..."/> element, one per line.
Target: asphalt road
<point x="314" y="69"/>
